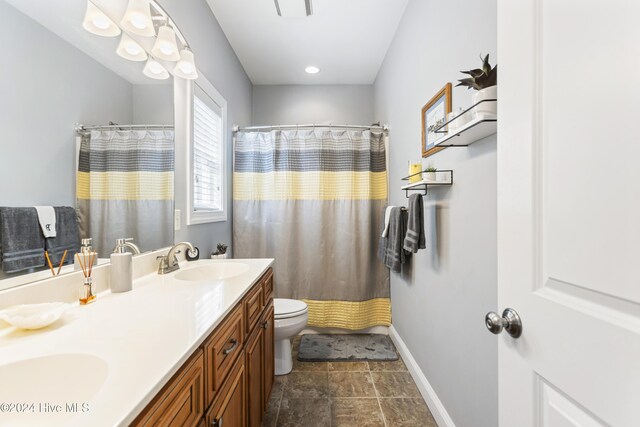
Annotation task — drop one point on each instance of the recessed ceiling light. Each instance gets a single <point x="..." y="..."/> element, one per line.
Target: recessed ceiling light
<point x="312" y="70"/>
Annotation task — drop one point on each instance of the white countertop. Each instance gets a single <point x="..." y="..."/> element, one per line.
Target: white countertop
<point x="140" y="339"/>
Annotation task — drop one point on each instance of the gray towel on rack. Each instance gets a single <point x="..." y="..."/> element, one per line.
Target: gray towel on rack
<point x="414" y="239"/>
<point x="21" y="240"/>
<point x="390" y="250"/>
<point x="67" y="238"/>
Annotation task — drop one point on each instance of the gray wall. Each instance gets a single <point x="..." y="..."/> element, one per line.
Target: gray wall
<point x="439" y="302"/>
<point x="46" y="87"/>
<point x="153" y="103"/>
<point x="218" y="63"/>
<point x="300" y="104"/>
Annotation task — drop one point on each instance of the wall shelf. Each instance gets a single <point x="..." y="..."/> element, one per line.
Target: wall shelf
<point x="443" y="177"/>
<point x="480" y="127"/>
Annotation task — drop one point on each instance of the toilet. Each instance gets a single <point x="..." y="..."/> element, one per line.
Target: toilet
<point x="290" y="319"/>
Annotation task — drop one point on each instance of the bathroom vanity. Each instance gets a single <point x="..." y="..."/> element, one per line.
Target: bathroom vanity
<point x="194" y="347"/>
<point x="228" y="379"/>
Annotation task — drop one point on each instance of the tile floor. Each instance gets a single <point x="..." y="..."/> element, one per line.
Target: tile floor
<point x="337" y="394"/>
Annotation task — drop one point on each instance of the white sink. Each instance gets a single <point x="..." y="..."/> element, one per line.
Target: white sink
<point x="212" y="270"/>
<point x="60" y="379"/>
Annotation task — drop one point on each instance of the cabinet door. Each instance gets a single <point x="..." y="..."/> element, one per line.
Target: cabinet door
<point x="255" y="376"/>
<point x="181" y="402"/>
<point x="267" y="324"/>
<point x="229" y="408"/>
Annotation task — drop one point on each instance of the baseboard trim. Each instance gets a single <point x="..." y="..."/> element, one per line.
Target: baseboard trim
<point x="384" y="330"/>
<point x="428" y="393"/>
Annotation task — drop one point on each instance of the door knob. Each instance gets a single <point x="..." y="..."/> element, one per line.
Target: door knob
<point x="510" y="322"/>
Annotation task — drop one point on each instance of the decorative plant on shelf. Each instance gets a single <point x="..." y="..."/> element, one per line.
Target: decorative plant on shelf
<point x="221" y="251"/>
<point x="484" y="80"/>
<point x="430" y="173"/>
<point x="481" y="78"/>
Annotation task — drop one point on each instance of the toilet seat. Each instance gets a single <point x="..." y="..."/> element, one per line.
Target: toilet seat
<point x="287" y="308"/>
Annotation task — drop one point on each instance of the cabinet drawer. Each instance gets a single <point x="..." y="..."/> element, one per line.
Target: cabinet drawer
<point x="229" y="408"/>
<point x="181" y="402"/>
<point x="267" y="286"/>
<point x="221" y="350"/>
<point x="253" y="304"/>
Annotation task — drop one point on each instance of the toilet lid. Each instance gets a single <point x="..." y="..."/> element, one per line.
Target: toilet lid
<point x="288" y="307"/>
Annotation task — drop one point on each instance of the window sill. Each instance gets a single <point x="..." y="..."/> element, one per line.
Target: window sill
<point x="206" y="217"/>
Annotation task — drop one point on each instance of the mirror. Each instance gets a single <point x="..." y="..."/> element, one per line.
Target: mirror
<point x="56" y="75"/>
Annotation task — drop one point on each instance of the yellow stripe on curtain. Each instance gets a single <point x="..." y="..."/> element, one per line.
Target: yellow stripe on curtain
<point x="313" y="185"/>
<point x="352" y="315"/>
<point x="125" y="185"/>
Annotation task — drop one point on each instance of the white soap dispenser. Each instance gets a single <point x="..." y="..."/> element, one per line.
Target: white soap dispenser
<point x="121" y="268"/>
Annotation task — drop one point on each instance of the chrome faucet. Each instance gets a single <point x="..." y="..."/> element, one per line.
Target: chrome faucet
<point x="121" y="244"/>
<point x="169" y="262"/>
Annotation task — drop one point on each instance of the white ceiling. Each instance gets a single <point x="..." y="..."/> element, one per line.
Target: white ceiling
<point x="346" y="39"/>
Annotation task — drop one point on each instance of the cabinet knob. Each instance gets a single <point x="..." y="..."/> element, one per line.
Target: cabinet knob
<point x="264" y="324"/>
<point x="216" y="423"/>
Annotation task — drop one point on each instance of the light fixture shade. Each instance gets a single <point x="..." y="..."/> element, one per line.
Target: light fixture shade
<point x="154" y="70"/>
<point x="129" y="49"/>
<point x="96" y="22"/>
<point x="137" y="18"/>
<point x="186" y="66"/>
<point x="165" y="46"/>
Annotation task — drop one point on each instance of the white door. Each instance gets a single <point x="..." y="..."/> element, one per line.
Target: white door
<point x="569" y="211"/>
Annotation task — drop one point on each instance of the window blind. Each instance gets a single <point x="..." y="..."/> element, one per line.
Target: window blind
<point x="207" y="156"/>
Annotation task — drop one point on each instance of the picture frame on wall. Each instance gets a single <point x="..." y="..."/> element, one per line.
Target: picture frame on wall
<point x="434" y="115"/>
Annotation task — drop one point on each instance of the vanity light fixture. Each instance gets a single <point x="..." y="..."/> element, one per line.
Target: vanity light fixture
<point x="186" y="67"/>
<point x="154" y="70"/>
<point x="312" y="69"/>
<point x="137" y="19"/>
<point x="165" y="46"/>
<point x="96" y="22"/>
<point x="130" y="49"/>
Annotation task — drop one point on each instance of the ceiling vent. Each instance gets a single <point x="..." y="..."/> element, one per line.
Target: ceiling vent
<point x="293" y="8"/>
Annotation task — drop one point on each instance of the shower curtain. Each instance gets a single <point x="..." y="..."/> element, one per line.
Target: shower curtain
<point x="312" y="200"/>
<point x="125" y="188"/>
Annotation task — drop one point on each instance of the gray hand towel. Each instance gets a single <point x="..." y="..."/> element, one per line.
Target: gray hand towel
<point x="390" y="250"/>
<point x="67" y="237"/>
<point x="21" y="240"/>
<point x="414" y="238"/>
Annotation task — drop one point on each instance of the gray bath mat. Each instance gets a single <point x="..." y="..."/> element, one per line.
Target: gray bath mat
<point x="329" y="347"/>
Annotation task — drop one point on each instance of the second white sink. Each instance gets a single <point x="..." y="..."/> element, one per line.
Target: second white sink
<point x="50" y="390"/>
<point x="212" y="270"/>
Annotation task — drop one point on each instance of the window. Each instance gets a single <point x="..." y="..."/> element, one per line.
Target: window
<point x="207" y="173"/>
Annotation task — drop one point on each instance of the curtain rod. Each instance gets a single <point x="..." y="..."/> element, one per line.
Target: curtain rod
<point x="82" y="128"/>
<point x="384" y="128"/>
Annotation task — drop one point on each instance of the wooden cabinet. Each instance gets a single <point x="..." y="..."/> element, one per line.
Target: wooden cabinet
<point x="267" y="286"/>
<point x="181" y="401"/>
<point x="229" y="407"/>
<point x="231" y="374"/>
<point x="260" y="365"/>
<point x="253" y="304"/>
<point x="255" y="376"/>
<point x="268" y="323"/>
<point x="221" y="350"/>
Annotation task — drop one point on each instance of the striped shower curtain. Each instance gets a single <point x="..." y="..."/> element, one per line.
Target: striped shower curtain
<point x="312" y="200"/>
<point x="125" y="188"/>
